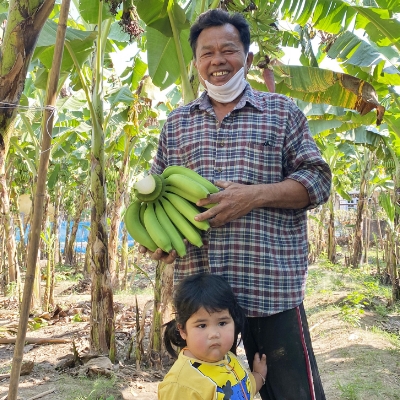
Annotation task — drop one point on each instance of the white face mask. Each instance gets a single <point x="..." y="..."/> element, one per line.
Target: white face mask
<point x="228" y="91"/>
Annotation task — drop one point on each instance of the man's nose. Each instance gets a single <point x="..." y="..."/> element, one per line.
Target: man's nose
<point x="218" y="58"/>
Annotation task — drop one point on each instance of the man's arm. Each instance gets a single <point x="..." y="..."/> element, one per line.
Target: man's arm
<point x="237" y="200"/>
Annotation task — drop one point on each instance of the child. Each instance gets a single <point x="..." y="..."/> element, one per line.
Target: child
<point x="208" y="322"/>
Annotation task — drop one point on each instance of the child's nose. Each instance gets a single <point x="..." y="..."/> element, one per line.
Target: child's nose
<point x="214" y="334"/>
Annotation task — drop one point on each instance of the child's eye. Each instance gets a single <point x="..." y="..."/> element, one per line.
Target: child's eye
<point x="201" y="326"/>
<point x="223" y="323"/>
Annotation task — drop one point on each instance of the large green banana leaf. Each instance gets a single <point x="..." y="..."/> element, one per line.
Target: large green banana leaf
<point x="317" y="85"/>
<point x="334" y="16"/>
<point x="154" y="13"/>
<point x="82" y="42"/>
<point x="162" y="59"/>
<point x="351" y="49"/>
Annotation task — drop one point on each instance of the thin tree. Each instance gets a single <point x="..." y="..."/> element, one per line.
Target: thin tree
<point x="47" y="125"/>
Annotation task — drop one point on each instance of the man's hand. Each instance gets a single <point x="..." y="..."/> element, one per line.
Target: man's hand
<point x="159" y="255"/>
<point x="233" y="202"/>
<point x="238" y="199"/>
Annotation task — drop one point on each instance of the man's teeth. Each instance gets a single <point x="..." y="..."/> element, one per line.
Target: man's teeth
<point x="220" y="73"/>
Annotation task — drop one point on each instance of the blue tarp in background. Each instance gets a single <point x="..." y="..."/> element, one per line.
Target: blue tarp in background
<point x="82" y="235"/>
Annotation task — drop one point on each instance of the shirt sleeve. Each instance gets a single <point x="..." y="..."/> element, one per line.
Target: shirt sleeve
<point x="159" y="161"/>
<point x="303" y="161"/>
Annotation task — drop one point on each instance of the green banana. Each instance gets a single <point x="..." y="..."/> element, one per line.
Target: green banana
<point x="135" y="227"/>
<point x="187" y="209"/>
<point x="156" y="193"/>
<point x="188" y="185"/>
<point x="178" y="169"/>
<point x="184" y="226"/>
<point x="180" y="192"/>
<point x="173" y="233"/>
<point x="155" y="230"/>
<point x="185" y="195"/>
<point x="141" y="212"/>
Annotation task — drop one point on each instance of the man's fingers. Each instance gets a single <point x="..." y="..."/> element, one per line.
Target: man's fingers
<point x="159" y="255"/>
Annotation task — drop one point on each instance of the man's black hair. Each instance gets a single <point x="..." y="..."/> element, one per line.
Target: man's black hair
<point x="218" y="17"/>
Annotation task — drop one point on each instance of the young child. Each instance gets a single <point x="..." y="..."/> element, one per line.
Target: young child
<point x="208" y="322"/>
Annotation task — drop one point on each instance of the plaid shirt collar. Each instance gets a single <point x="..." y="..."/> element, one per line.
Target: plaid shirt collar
<point x="248" y="96"/>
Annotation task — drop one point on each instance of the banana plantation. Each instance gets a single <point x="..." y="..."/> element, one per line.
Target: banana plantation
<point x="85" y="87"/>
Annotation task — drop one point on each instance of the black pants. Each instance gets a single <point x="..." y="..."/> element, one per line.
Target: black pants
<point x="292" y="368"/>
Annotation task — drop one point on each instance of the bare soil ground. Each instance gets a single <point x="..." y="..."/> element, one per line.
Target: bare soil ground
<point x="355" y="361"/>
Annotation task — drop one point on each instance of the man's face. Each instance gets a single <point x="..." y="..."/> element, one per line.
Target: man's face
<point x="220" y="54"/>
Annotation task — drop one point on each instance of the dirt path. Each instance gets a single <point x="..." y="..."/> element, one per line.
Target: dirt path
<point x="356" y="362"/>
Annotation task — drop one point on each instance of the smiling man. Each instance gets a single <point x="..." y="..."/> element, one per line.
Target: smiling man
<point x="257" y="148"/>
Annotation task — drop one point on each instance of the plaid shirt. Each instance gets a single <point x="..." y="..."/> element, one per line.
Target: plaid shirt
<point x="265" y="139"/>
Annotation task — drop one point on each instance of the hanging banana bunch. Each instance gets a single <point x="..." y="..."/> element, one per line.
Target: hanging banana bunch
<point x="162" y="213"/>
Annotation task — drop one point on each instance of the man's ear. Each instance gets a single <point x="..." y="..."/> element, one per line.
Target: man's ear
<point x="249" y="60"/>
<point x="182" y="332"/>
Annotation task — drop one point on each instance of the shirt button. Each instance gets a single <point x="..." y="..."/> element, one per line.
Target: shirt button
<point x="218" y="169"/>
<point x="222" y="144"/>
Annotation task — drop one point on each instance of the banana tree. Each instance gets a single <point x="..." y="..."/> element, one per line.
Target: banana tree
<point x="25" y="20"/>
<point x="167" y="32"/>
<point x="102" y="337"/>
<point x="372" y="56"/>
<point x="390" y="202"/>
<point x="135" y="135"/>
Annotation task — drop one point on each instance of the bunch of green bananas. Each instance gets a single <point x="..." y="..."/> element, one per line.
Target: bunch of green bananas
<point x="162" y="213"/>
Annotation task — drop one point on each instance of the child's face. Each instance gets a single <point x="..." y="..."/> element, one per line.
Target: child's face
<point x="209" y="336"/>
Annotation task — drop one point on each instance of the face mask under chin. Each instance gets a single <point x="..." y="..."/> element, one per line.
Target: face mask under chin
<point x="228" y="91"/>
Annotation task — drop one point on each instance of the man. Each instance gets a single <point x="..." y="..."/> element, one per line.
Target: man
<point x="257" y="148"/>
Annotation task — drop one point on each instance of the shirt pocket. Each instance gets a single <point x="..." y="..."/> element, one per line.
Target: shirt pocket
<point x="262" y="161"/>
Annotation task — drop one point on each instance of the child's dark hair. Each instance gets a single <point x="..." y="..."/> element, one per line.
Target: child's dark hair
<point x="202" y="290"/>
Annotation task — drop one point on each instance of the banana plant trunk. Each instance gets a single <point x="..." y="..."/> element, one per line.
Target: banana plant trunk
<point x="102" y="320"/>
<point x="9" y="232"/>
<point x="37" y="17"/>
<point x="24" y="23"/>
<point x="361" y="204"/>
<point x="69" y="247"/>
<point x="156" y="340"/>
<point x="117" y="208"/>
<point x="321" y="230"/>
<point x="331" y="230"/>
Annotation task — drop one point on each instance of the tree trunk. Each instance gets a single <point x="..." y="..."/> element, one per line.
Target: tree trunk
<point x="121" y="186"/>
<point x="102" y="324"/>
<point x="9" y="231"/>
<point x="69" y="249"/>
<point x="24" y="24"/>
<point x="331" y="230"/>
<point x="124" y="258"/>
<point x="321" y="230"/>
<point x="156" y="340"/>
<point x="167" y="288"/>
<point x="36" y="18"/>
<point x="362" y="203"/>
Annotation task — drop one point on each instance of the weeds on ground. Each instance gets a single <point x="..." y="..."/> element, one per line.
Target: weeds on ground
<point x="364" y="290"/>
<point x="88" y="389"/>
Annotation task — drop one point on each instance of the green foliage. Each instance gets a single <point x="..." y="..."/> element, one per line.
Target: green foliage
<point x="76" y="318"/>
<point x="37" y="323"/>
<point x="365" y="292"/>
